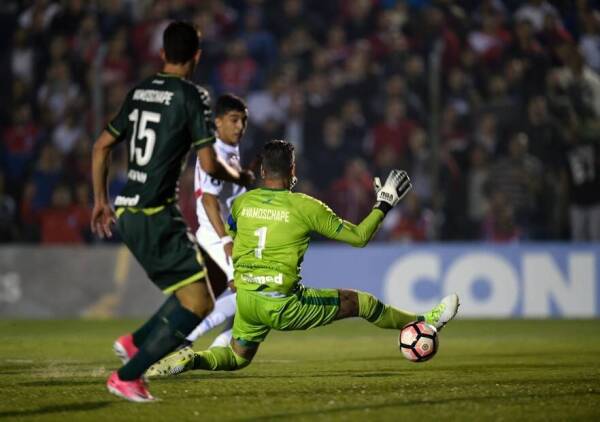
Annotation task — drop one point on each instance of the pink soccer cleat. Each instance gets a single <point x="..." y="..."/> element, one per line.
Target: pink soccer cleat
<point x="124" y="348"/>
<point x="135" y="390"/>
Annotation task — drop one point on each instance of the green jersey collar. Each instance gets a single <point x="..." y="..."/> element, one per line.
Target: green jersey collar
<point x="274" y="189"/>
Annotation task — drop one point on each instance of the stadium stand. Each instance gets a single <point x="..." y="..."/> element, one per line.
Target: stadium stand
<point x="504" y="148"/>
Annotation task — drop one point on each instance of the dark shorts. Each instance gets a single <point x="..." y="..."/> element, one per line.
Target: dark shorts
<point x="162" y="244"/>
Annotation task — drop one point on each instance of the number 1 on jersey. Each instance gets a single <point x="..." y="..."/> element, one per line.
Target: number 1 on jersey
<point x="262" y="239"/>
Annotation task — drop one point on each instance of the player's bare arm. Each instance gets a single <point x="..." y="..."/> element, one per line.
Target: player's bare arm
<point x="213" y="211"/>
<point x="219" y="169"/>
<point x="103" y="215"/>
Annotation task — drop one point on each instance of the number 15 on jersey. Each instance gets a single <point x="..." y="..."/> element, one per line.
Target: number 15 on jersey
<point x="140" y="132"/>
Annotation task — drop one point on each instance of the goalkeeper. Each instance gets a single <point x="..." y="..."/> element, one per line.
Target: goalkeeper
<point x="271" y="227"/>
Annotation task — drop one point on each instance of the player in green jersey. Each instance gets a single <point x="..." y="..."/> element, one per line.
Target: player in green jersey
<point x="271" y="226"/>
<point x="161" y="118"/>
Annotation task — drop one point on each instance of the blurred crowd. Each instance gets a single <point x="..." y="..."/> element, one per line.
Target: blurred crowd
<point x="349" y="82"/>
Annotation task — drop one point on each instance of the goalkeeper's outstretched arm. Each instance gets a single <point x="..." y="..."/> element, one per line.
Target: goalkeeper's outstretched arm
<point x="389" y="195"/>
<point x="358" y="235"/>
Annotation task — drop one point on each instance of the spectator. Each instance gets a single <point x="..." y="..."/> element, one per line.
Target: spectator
<point x="490" y="41"/>
<point x="589" y="43"/>
<point x="57" y="93"/>
<point x="581" y="83"/>
<point x="67" y="133"/>
<point x="117" y="65"/>
<point x="351" y="196"/>
<point x="414" y="222"/>
<point x="46" y="175"/>
<point x="22" y="57"/>
<point x="394" y="130"/>
<point x="477" y="181"/>
<point x="260" y="43"/>
<point x="69" y="18"/>
<point x="295" y="122"/>
<point x="499" y="225"/>
<point x="19" y="144"/>
<point x="544" y="134"/>
<point x="8" y="215"/>
<point x="355" y="128"/>
<point x="518" y="177"/>
<point x="328" y="164"/>
<point x="419" y="163"/>
<point x="340" y="70"/>
<point x="486" y="134"/>
<point x="336" y="47"/>
<point x="29" y="214"/>
<point x="112" y="16"/>
<point x="269" y="104"/>
<point x="581" y="175"/>
<point x="62" y="222"/>
<point x="461" y="95"/>
<point x="535" y="12"/>
<point x="87" y="39"/>
<point x="78" y="166"/>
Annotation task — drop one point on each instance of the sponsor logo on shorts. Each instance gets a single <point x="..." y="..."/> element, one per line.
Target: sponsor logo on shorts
<point x="263" y="279"/>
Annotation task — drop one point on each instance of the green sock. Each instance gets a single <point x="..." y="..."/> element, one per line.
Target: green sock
<point x="168" y="333"/>
<point x="219" y="359"/>
<point x="382" y="315"/>
<point x="140" y="335"/>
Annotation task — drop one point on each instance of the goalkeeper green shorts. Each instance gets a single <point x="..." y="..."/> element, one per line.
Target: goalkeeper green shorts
<point x="258" y="312"/>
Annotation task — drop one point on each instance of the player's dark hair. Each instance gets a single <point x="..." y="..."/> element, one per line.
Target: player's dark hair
<point x="278" y="158"/>
<point x="180" y="42"/>
<point x="229" y="102"/>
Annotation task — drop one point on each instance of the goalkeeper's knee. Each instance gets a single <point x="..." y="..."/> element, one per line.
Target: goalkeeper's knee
<point x="369" y="307"/>
<point x="240" y="362"/>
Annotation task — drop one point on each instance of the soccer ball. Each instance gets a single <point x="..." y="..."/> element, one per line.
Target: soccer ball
<point x="418" y="341"/>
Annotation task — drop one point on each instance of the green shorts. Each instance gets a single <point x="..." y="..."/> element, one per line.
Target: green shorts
<point x="257" y="312"/>
<point x="162" y="244"/>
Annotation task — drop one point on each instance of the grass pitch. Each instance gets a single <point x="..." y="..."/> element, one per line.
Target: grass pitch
<point x="485" y="370"/>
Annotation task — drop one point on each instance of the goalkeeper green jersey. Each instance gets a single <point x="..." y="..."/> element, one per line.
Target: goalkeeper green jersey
<point x="161" y="118"/>
<point x="272" y="231"/>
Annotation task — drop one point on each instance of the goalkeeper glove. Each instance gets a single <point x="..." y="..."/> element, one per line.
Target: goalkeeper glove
<point x="395" y="188"/>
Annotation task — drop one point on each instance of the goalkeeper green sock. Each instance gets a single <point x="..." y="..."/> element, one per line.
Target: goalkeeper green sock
<point x="219" y="359"/>
<point x="382" y="315"/>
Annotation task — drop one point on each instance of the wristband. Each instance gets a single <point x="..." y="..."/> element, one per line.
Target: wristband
<point x="226" y="239"/>
<point x="383" y="206"/>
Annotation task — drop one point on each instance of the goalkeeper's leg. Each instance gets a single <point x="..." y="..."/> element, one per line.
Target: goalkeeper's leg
<point x="364" y="305"/>
<point x="230" y="358"/>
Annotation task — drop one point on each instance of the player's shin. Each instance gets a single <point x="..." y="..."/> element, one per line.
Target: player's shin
<point x="140" y="335"/>
<point x="222" y="339"/>
<point x="224" y="310"/>
<point x="219" y="359"/>
<point x="169" y="331"/>
<point x="383" y="316"/>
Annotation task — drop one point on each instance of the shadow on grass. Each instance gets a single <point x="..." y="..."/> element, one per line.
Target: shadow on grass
<point x="47" y="410"/>
<point x="206" y="376"/>
<point x="425" y="402"/>
<point x="58" y="382"/>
